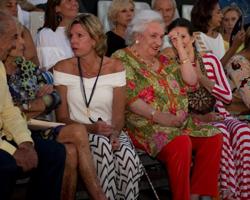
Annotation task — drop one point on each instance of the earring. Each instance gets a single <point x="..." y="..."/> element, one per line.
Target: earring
<point x="136" y="41"/>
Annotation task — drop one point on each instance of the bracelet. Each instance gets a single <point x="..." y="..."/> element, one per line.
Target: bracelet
<point x="184" y="61"/>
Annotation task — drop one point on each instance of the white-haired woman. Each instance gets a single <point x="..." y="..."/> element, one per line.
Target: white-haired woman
<point x="157" y="115"/>
<point x="120" y="14"/>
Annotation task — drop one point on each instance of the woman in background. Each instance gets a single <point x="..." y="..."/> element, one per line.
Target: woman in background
<point x="52" y="42"/>
<point x="206" y="17"/>
<point x="120" y="13"/>
<point x="231" y="14"/>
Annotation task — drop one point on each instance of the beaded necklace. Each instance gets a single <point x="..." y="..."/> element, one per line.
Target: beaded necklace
<point x="149" y="64"/>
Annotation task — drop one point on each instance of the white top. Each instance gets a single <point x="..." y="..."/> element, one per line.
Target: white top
<point x="101" y="103"/>
<point x="214" y="45"/>
<point x="52" y="46"/>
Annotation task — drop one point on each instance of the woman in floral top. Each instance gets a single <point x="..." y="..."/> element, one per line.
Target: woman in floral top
<point x="157" y="108"/>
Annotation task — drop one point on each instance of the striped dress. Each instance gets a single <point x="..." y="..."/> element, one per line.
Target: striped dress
<point x="235" y="162"/>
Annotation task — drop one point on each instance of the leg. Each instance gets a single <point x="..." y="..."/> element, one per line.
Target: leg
<point x="76" y="135"/>
<point x="46" y="180"/>
<point x="177" y="158"/>
<point x="128" y="169"/>
<point x="8" y="174"/>
<point x="227" y="180"/>
<point x="205" y="172"/>
<point x="240" y="138"/>
<point x="104" y="163"/>
<point x="70" y="173"/>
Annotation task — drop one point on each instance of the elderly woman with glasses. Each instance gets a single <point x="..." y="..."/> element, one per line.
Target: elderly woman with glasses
<point x="92" y="88"/>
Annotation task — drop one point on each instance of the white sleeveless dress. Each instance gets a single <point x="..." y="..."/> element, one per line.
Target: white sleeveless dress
<point x="119" y="171"/>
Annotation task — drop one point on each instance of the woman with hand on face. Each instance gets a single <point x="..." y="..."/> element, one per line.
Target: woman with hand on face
<point x="120" y="14"/>
<point x="231" y="14"/>
<point x="32" y="91"/>
<point x="234" y="173"/>
<point x="157" y="115"/>
<point x="92" y="88"/>
<point x="52" y="42"/>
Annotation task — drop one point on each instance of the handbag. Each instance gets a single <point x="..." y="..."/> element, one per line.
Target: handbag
<point x="201" y="101"/>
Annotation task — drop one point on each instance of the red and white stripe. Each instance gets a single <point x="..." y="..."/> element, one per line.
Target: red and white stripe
<point x="235" y="162"/>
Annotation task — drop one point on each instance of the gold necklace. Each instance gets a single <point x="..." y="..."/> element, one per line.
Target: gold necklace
<point x="149" y="64"/>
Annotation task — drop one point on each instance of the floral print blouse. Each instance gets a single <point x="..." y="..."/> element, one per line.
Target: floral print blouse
<point x="165" y="91"/>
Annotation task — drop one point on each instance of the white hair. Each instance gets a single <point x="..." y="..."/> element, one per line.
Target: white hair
<point x="139" y="23"/>
<point x="154" y="2"/>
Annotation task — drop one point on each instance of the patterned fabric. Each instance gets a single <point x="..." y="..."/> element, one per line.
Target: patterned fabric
<point x="235" y="166"/>
<point x="165" y="91"/>
<point x="26" y="81"/>
<point x="119" y="171"/>
<point x="238" y="72"/>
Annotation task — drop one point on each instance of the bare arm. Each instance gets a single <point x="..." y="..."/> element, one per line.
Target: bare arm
<point x="188" y="73"/>
<point x="143" y="109"/>
<point x="62" y="112"/>
<point x="118" y="108"/>
<point x="237" y="42"/>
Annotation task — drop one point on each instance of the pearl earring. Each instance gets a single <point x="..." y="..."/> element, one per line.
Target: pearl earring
<point x="136" y="41"/>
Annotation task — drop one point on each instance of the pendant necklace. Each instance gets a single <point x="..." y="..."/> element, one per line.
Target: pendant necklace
<point x="88" y="101"/>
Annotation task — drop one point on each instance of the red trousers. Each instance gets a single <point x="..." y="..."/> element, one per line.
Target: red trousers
<point x="177" y="157"/>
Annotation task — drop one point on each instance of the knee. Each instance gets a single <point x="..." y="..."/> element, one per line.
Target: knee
<point x="183" y="144"/>
<point x="79" y="133"/>
<point x="180" y="147"/>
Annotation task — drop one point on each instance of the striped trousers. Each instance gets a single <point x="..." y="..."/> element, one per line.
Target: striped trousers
<point x="235" y="161"/>
<point x="119" y="171"/>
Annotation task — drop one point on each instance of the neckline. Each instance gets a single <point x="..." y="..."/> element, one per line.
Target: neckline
<point x="214" y="38"/>
<point x="102" y="75"/>
<point x="145" y="66"/>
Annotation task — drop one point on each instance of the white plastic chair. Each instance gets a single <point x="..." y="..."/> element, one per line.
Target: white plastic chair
<point x="102" y="10"/>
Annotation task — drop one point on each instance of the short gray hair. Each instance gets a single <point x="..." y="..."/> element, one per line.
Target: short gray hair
<point x="139" y="23"/>
<point x="172" y="1"/>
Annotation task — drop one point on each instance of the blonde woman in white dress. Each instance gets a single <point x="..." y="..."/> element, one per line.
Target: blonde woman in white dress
<point x="92" y="88"/>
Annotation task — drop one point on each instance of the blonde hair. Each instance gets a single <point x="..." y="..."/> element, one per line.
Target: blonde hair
<point x="226" y="9"/>
<point x="232" y="7"/>
<point x="95" y="29"/>
<point x="115" y="7"/>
